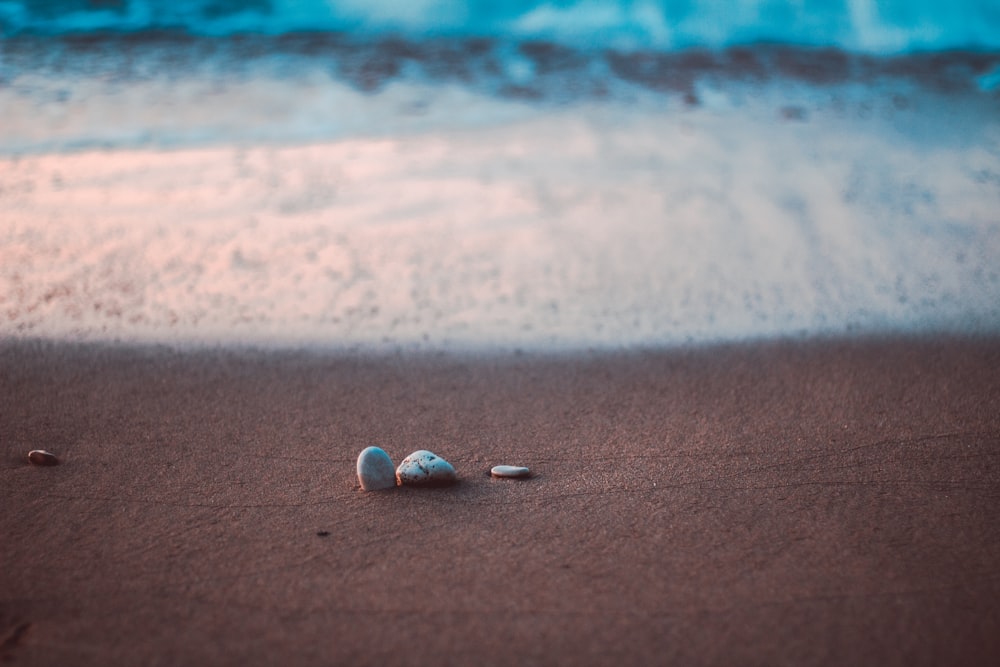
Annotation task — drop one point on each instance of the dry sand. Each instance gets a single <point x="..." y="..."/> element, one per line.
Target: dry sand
<point x="777" y="503"/>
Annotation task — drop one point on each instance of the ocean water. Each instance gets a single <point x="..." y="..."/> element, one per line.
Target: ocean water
<point x="520" y="174"/>
<point x="859" y="25"/>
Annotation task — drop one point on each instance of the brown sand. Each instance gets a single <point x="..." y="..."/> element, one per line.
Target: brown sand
<point x="782" y="503"/>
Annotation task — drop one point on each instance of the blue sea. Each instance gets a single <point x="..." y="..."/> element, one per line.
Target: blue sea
<point x="511" y="174"/>
<point x="873" y="26"/>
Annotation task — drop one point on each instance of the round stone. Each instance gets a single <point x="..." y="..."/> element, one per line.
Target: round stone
<point x="375" y="469"/>
<point x="510" y="471"/>
<point x="40" y="457"/>
<point x="424" y="468"/>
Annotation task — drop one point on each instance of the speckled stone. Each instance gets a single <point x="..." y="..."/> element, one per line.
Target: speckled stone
<point x="424" y="468"/>
<point x="40" y="457"/>
<point x="510" y="471"/>
<point x="375" y="469"/>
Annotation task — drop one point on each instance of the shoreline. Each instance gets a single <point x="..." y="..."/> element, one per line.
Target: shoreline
<point x="182" y="91"/>
<point x="242" y="196"/>
<point x="640" y="229"/>
<point x="785" y="502"/>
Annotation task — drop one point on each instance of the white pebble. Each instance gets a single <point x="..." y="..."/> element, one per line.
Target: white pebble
<point x="424" y="468"/>
<point x="40" y="457"/>
<point x="375" y="469"/>
<point x="509" y="471"/>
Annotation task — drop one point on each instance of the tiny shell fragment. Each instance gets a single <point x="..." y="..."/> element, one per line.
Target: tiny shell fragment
<point x="510" y="471"/>
<point x="40" y="457"/>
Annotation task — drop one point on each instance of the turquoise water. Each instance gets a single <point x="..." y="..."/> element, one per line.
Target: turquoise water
<point x="883" y="26"/>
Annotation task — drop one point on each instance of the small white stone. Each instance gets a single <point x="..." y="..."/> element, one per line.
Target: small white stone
<point x="424" y="468"/>
<point x="509" y="471"/>
<point x="375" y="469"/>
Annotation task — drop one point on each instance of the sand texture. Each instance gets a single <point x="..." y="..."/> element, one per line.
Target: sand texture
<point x="784" y="503"/>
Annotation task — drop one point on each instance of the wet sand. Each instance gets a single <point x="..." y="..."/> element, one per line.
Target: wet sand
<point x="824" y="502"/>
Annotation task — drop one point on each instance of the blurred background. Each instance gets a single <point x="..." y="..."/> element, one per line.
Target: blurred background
<point x="515" y="174"/>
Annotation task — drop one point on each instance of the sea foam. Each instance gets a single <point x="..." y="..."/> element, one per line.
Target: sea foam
<point x="405" y="184"/>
